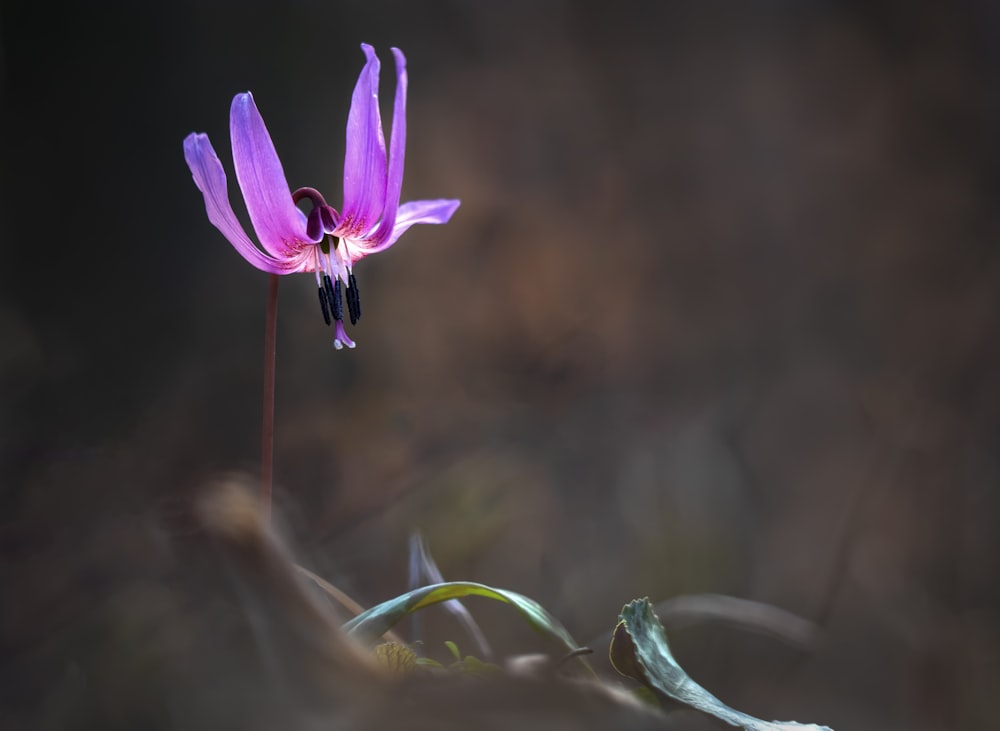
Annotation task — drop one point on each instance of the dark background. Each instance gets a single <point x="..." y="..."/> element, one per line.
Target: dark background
<point x="718" y="314"/>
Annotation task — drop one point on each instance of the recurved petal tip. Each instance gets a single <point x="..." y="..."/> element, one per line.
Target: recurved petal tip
<point x="210" y="177"/>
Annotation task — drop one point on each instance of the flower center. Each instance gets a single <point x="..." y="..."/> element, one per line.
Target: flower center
<point x="321" y="222"/>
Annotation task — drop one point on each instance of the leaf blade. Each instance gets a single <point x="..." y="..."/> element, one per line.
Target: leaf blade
<point x="639" y="650"/>
<point x="382" y="617"/>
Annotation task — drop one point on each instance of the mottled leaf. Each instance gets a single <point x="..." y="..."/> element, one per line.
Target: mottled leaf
<point x="639" y="650"/>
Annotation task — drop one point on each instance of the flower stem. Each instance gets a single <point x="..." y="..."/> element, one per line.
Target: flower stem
<point x="267" y="425"/>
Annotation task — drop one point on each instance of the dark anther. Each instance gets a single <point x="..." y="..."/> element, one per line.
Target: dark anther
<point x="322" y="303"/>
<point x="332" y="289"/>
<point x="338" y="304"/>
<point x="353" y="300"/>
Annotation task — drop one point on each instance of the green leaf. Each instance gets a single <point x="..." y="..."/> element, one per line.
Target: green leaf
<point x="453" y="649"/>
<point x="423" y="570"/>
<point x="474" y="666"/>
<point x="639" y="650"/>
<point x="379" y="619"/>
<point x="429" y="663"/>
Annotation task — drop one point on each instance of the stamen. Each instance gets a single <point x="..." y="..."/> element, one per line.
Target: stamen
<point x="353" y="299"/>
<point x="332" y="291"/>
<point x="328" y="288"/>
<point x="322" y="303"/>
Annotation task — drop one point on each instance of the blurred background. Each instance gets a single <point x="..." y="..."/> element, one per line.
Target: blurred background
<point x="718" y="313"/>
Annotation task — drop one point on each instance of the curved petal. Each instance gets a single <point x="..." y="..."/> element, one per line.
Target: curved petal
<point x="397" y="153"/>
<point x="210" y="177"/>
<point x="364" y="159"/>
<point x="434" y="211"/>
<point x="279" y="224"/>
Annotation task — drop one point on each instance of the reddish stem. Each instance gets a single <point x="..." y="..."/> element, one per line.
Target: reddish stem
<point x="267" y="427"/>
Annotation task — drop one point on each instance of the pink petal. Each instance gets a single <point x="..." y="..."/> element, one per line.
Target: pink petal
<point x="433" y="211"/>
<point x="397" y="153"/>
<point x="364" y="160"/>
<point x="279" y="224"/>
<point x="210" y="177"/>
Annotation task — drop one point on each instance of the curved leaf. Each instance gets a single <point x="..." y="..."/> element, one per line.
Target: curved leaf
<point x="423" y="570"/>
<point x="379" y="619"/>
<point x="639" y="650"/>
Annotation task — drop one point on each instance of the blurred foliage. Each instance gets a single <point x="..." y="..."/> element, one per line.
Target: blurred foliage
<point x="397" y="658"/>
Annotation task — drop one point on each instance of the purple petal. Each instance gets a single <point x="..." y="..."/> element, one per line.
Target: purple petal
<point x="397" y="152"/>
<point x="435" y="211"/>
<point x="210" y="177"/>
<point x="364" y="160"/>
<point x="279" y="224"/>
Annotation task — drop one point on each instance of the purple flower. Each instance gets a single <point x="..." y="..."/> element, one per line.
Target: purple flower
<point x="323" y="241"/>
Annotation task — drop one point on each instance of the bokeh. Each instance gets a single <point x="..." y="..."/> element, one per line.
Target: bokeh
<point x="718" y="314"/>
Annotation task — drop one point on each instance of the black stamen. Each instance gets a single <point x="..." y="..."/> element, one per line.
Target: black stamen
<point x="322" y="303"/>
<point x="328" y="288"/>
<point x="332" y="295"/>
<point x="337" y="302"/>
<point x="353" y="300"/>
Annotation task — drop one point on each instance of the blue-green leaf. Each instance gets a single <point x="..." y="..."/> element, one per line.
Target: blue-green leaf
<point x="639" y="650"/>
<point x="379" y="619"/>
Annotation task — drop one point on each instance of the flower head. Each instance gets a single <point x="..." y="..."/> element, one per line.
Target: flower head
<point x="324" y="241"/>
